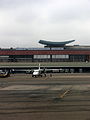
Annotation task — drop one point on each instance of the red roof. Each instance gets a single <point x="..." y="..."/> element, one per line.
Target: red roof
<point x="44" y="52"/>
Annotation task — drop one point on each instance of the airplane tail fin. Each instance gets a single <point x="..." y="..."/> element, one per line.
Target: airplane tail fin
<point x="39" y="66"/>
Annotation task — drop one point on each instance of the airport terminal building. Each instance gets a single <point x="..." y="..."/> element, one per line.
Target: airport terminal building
<point x="52" y="52"/>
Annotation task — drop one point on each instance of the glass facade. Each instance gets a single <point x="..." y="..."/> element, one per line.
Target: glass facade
<point x="61" y="56"/>
<point x="41" y="56"/>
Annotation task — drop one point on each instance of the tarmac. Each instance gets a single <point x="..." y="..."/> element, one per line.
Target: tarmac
<point x="64" y="96"/>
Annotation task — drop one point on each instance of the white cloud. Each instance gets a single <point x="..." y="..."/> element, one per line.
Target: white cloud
<point x="24" y="22"/>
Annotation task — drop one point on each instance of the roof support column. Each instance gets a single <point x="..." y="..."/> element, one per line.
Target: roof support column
<point x="50" y="58"/>
<point x="32" y="58"/>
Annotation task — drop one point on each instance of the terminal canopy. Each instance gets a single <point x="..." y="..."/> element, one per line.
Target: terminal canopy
<point x="55" y="44"/>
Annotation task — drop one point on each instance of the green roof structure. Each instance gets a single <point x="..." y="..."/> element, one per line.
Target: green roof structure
<point x="55" y="44"/>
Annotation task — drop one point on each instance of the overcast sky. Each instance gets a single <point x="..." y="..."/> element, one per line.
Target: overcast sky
<point x="24" y="22"/>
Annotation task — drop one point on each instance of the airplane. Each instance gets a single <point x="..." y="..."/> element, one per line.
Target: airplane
<point x="38" y="72"/>
<point x="4" y="74"/>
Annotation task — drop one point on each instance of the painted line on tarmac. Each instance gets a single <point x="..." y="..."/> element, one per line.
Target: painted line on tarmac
<point x="66" y="92"/>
